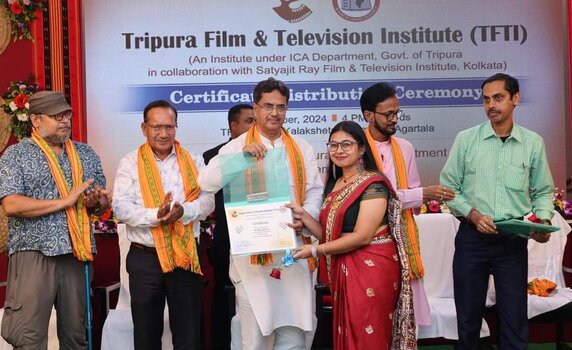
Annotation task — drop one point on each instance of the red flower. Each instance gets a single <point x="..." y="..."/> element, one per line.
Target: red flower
<point x="434" y="206"/>
<point x="21" y="100"/>
<point x="106" y="216"/>
<point x="275" y="273"/>
<point x="16" y="8"/>
<point x="533" y="218"/>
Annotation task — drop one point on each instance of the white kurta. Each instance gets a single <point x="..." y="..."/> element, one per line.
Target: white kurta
<point x="288" y="301"/>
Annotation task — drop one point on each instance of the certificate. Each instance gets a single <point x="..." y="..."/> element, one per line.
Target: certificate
<point x="524" y="228"/>
<point x="260" y="228"/>
<point x="255" y="194"/>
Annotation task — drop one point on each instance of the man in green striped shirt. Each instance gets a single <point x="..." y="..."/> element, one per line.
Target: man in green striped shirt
<point x="499" y="171"/>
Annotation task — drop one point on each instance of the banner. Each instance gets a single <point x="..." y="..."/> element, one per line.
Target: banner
<point x="206" y="56"/>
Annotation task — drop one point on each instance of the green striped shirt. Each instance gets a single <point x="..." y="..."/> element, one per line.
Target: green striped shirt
<point x="502" y="180"/>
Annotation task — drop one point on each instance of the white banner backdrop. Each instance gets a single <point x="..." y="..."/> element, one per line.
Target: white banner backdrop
<point x="205" y="56"/>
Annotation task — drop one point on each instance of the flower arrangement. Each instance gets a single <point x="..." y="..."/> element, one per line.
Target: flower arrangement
<point x="106" y="222"/>
<point x="21" y="13"/>
<point x="208" y="225"/>
<point x="15" y="103"/>
<point x="434" y="206"/>
<point x="561" y="205"/>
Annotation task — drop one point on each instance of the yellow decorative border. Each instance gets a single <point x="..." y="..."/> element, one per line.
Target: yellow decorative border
<point x="4" y="30"/>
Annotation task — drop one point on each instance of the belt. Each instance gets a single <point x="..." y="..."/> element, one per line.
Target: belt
<point x="143" y="247"/>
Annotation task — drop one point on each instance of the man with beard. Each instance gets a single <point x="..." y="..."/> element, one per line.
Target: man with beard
<point x="499" y="171"/>
<point x="395" y="157"/>
<point x="49" y="187"/>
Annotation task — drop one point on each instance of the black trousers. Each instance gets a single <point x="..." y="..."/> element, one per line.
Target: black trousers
<point x="219" y="254"/>
<point x="505" y="257"/>
<point x="149" y="287"/>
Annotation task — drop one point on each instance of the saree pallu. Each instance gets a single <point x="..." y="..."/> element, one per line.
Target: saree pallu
<point x="386" y="283"/>
<point x="366" y="284"/>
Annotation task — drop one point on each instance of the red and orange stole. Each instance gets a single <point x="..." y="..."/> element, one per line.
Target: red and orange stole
<point x="175" y="243"/>
<point x="77" y="217"/>
<point x="298" y="170"/>
<point x="412" y="242"/>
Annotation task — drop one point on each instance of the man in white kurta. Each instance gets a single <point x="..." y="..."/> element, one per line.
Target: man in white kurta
<point x="273" y="313"/>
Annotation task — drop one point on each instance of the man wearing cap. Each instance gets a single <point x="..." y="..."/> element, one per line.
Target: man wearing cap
<point x="49" y="186"/>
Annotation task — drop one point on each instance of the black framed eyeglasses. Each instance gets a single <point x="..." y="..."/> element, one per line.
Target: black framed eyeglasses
<point x="59" y="117"/>
<point x="390" y="115"/>
<point x="269" y="107"/>
<point x="345" y="145"/>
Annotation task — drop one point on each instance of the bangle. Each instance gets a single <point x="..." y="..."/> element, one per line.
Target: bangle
<point x="324" y="249"/>
<point x="314" y="249"/>
<point x="473" y="209"/>
<point x="546" y="221"/>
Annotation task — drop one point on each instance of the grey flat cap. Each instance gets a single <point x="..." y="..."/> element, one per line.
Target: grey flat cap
<point x="49" y="103"/>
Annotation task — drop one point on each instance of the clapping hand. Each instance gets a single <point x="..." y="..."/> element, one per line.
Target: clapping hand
<point x="97" y="197"/>
<point x="76" y="192"/>
<point x="168" y="214"/>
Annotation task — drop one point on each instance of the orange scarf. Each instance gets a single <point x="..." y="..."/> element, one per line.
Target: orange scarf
<point x="412" y="241"/>
<point x="175" y="243"/>
<point x="298" y="170"/>
<point x="78" y="220"/>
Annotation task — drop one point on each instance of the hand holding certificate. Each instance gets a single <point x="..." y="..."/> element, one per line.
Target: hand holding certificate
<point x="260" y="228"/>
<point x="255" y="203"/>
<point x="523" y="227"/>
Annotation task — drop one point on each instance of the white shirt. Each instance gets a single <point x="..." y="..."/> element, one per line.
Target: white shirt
<point x="290" y="300"/>
<point x="128" y="201"/>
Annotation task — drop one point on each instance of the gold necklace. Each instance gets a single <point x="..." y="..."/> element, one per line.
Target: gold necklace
<point x="349" y="177"/>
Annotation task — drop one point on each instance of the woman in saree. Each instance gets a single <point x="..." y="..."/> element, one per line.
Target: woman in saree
<point x="362" y="241"/>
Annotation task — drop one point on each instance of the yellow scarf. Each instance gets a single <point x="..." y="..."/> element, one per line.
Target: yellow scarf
<point x="78" y="220"/>
<point x="175" y="243"/>
<point x="412" y="241"/>
<point x="298" y="170"/>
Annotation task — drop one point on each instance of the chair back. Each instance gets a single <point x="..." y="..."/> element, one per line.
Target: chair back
<point x="124" y="299"/>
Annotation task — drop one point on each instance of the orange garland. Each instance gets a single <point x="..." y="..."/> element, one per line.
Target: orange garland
<point x="412" y="241"/>
<point x="175" y="243"/>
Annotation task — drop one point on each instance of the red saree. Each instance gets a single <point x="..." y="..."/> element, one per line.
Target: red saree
<point x="372" y="302"/>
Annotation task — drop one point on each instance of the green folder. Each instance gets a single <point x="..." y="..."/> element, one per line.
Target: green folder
<point x="523" y="227"/>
